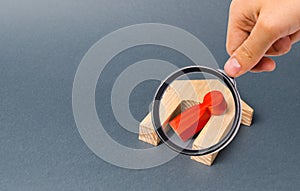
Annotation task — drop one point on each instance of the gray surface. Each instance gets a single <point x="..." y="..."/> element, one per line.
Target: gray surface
<point x="41" y="45"/>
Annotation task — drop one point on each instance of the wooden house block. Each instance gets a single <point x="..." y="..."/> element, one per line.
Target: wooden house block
<point x="183" y="94"/>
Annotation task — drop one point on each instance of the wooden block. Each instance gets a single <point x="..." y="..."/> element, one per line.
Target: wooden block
<point x="147" y="132"/>
<point x="191" y="92"/>
<point x="171" y="108"/>
<point x="214" y="131"/>
<point x="247" y="114"/>
<point x="208" y="135"/>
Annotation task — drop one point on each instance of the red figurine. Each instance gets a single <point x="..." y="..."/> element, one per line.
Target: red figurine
<point x="192" y="120"/>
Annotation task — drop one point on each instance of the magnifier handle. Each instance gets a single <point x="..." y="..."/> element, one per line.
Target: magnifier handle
<point x="192" y="120"/>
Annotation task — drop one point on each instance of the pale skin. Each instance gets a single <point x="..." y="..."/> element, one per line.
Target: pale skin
<point x="258" y="29"/>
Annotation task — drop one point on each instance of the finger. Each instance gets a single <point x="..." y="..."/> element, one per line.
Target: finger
<point x="264" y="65"/>
<point x="295" y="37"/>
<point x="237" y="31"/>
<point x="252" y="50"/>
<point x="280" y="47"/>
<point x="235" y="37"/>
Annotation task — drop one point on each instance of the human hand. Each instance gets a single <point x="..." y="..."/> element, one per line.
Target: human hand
<point x="257" y="29"/>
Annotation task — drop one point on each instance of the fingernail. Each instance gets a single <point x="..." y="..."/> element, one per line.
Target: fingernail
<point x="232" y="67"/>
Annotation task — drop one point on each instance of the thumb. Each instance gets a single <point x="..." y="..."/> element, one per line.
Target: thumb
<point x="252" y="50"/>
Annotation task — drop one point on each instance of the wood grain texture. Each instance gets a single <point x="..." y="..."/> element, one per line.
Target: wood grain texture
<point x="183" y="94"/>
<point x="214" y="130"/>
<point x="208" y="135"/>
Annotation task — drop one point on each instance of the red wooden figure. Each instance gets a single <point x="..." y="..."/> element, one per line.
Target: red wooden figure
<point x="192" y="120"/>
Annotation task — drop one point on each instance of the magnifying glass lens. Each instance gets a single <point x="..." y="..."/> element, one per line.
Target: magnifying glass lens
<point x="197" y="111"/>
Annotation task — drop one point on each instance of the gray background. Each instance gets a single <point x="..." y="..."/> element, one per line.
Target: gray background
<point x="41" y="45"/>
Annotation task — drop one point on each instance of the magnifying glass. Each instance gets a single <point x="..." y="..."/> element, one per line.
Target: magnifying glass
<point x="197" y="110"/>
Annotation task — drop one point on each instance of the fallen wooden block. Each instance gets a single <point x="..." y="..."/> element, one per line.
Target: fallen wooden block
<point x="191" y="92"/>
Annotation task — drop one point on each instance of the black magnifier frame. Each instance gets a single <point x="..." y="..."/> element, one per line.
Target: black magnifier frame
<point x="229" y="82"/>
